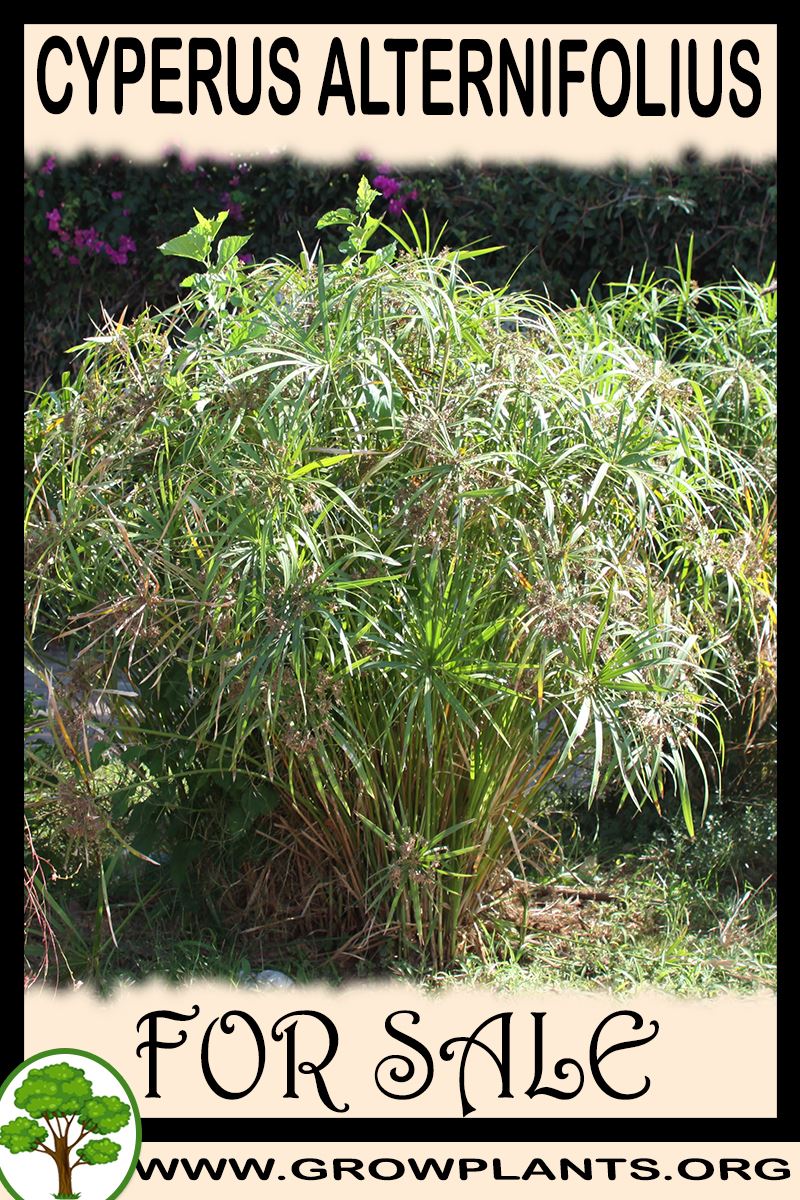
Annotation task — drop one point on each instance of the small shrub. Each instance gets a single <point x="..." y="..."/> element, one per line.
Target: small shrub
<point x="382" y="550"/>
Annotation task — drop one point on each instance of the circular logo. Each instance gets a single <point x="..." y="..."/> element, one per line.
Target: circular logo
<point x="69" y="1127"/>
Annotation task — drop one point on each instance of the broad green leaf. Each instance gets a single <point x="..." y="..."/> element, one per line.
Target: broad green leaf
<point x="338" y="216"/>
<point x="365" y="195"/>
<point x="193" y="244"/>
<point x="211" y="225"/>
<point x="229" y="247"/>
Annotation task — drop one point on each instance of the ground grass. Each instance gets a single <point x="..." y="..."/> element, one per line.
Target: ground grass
<point x="626" y="906"/>
<point x="663" y="933"/>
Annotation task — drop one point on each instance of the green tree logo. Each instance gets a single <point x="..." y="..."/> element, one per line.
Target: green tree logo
<point x="67" y="1120"/>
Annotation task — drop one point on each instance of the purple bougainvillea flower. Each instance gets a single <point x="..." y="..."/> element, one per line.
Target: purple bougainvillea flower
<point x="85" y="238"/>
<point x="126" y="212"/>
<point x="56" y="251"/>
<point x="63" y="235"/>
<point x="235" y="180"/>
<point x="89" y="239"/>
<point x="48" y="166"/>
<point x="127" y="245"/>
<point x="397" y="205"/>
<point x="53" y="219"/>
<point x="117" y="195"/>
<point x="73" y="260"/>
<point x="40" y="193"/>
<point x="386" y="185"/>
<point x="235" y="211"/>
<point x="247" y="258"/>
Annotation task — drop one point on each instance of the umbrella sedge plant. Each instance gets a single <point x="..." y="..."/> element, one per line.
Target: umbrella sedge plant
<point x="384" y="554"/>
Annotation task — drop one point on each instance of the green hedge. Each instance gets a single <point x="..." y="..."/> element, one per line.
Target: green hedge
<point x="91" y="229"/>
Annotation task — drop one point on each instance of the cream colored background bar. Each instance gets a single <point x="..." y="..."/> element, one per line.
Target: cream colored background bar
<point x="584" y="136"/>
<point x="710" y="1058"/>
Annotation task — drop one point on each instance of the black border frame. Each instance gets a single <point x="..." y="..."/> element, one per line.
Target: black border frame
<point x="783" y="1127"/>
